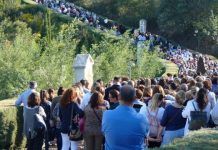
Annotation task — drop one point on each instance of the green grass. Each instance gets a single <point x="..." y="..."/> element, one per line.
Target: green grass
<point x="204" y="139"/>
<point x="7" y="102"/>
<point x="29" y="2"/>
<point x="170" y="67"/>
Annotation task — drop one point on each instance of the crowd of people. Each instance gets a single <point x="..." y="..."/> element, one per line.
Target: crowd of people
<point x="185" y="59"/>
<point x="123" y="114"/>
<point x="85" y="16"/>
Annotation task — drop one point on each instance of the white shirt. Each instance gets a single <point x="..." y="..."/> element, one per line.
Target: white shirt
<point x="214" y="114"/>
<point x="85" y="100"/>
<point x="212" y="99"/>
<point x="23" y="97"/>
<point x="186" y="113"/>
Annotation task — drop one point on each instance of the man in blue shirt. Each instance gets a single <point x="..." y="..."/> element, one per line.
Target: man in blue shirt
<point x="123" y="127"/>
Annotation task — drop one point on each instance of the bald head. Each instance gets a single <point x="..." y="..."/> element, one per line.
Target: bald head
<point x="127" y="93"/>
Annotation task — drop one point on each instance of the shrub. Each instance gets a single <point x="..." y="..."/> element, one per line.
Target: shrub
<point x="11" y="127"/>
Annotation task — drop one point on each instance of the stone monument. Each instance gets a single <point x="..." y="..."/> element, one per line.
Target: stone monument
<point x="83" y="68"/>
<point x="142" y="26"/>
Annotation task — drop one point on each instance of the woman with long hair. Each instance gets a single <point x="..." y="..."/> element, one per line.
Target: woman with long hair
<point x="211" y="95"/>
<point x="154" y="115"/>
<point x="69" y="114"/>
<point x="200" y="103"/>
<point x="34" y="138"/>
<point x="93" y="118"/>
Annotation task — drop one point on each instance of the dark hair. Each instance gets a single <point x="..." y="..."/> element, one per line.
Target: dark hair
<point x="96" y="99"/>
<point x="173" y="86"/>
<point x="162" y="83"/>
<point x="83" y="82"/>
<point x="32" y="84"/>
<point x="60" y="91"/>
<point x="33" y="100"/>
<point x="127" y="93"/>
<point x="50" y="91"/>
<point x="183" y="80"/>
<point x="116" y="79"/>
<point x="114" y="93"/>
<point x="215" y="80"/>
<point x="44" y="95"/>
<point x="202" y="102"/>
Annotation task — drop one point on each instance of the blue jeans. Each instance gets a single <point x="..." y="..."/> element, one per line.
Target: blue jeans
<point x="59" y="138"/>
<point x="169" y="136"/>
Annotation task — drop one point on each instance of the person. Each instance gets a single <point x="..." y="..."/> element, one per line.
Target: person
<point x="23" y="98"/>
<point x="172" y="120"/>
<point x="147" y="95"/>
<point x="138" y="105"/>
<point x="123" y="127"/>
<point x="93" y="118"/>
<point x="86" y="98"/>
<point x="114" y="99"/>
<point x="83" y="83"/>
<point x="69" y="111"/>
<point x="34" y="138"/>
<point x="211" y="95"/>
<point x="116" y="86"/>
<point x="200" y="103"/>
<point x="154" y="113"/>
<point x="214" y="114"/>
<point x="55" y="116"/>
<point x="51" y="94"/>
<point x="46" y="105"/>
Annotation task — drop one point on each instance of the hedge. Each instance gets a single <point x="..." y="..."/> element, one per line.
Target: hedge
<point x="11" y="126"/>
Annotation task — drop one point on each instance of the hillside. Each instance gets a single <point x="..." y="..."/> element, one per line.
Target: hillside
<point x="176" y="20"/>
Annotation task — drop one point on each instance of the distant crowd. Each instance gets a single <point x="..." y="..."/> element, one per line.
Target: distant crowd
<point x="123" y="114"/>
<point x="184" y="58"/>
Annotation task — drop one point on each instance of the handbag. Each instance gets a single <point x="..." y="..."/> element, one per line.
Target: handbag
<point x="75" y="133"/>
<point x="198" y="119"/>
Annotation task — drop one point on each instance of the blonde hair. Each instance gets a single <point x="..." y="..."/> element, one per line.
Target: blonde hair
<point x="158" y="97"/>
<point x="180" y="97"/>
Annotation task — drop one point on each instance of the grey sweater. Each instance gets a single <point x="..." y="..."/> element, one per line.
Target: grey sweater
<point x="29" y="118"/>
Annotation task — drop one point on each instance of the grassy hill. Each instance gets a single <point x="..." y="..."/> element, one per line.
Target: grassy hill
<point x="177" y="20"/>
<point x="204" y="139"/>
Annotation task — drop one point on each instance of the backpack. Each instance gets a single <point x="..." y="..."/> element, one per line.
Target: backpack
<point x="39" y="127"/>
<point x="153" y="124"/>
<point x="198" y="119"/>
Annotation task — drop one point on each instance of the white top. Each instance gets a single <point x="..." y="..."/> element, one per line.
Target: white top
<point x="214" y="114"/>
<point x="23" y="97"/>
<point x="186" y="113"/>
<point x="212" y="99"/>
<point x="85" y="100"/>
